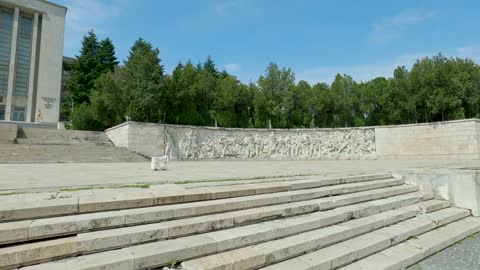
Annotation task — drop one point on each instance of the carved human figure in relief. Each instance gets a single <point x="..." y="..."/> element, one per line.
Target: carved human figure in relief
<point x="249" y="146"/>
<point x="365" y="143"/>
<point x="169" y="146"/>
<point x="188" y="145"/>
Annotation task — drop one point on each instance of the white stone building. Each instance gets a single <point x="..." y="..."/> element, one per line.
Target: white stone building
<point x="31" y="53"/>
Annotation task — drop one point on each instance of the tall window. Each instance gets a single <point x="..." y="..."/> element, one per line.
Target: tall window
<point x="22" y="68"/>
<point x="24" y="51"/>
<point x="6" y="28"/>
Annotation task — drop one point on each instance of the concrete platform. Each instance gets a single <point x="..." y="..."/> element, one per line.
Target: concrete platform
<point x="38" y="177"/>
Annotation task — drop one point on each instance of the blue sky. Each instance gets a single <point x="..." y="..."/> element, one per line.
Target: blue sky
<point x="316" y="38"/>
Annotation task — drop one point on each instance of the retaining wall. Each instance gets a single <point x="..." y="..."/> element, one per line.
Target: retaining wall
<point x="461" y="186"/>
<point x="452" y="139"/>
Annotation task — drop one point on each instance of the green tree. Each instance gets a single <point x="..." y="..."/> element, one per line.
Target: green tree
<point x="109" y="100"/>
<point x="270" y="99"/>
<point x="204" y="87"/>
<point x="318" y="106"/>
<point x="84" y="118"/>
<point x="373" y="101"/>
<point x="106" y="55"/>
<point x="85" y="70"/>
<point x="294" y="102"/>
<point x="344" y="92"/>
<point x="143" y="80"/>
<point x="233" y="103"/>
<point x="434" y="81"/>
<point x="183" y="80"/>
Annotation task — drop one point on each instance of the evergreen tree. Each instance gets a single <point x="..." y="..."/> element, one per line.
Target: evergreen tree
<point x="143" y="81"/>
<point x="106" y="55"/>
<point x="85" y="70"/>
<point x="209" y="66"/>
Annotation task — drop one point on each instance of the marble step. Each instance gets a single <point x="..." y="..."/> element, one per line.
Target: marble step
<point x="117" y="200"/>
<point x="121" y="237"/>
<point x="416" y="249"/>
<point x="161" y="253"/>
<point x="21" y="231"/>
<point x="346" y="252"/>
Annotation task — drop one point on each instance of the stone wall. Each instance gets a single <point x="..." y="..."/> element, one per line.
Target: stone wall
<point x="453" y="139"/>
<point x="119" y="135"/>
<point x="188" y="142"/>
<point x="143" y="138"/>
<point x="304" y="144"/>
<point x="461" y="186"/>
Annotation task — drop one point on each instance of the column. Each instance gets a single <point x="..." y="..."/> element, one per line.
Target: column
<point x="31" y="81"/>
<point x="11" y="69"/>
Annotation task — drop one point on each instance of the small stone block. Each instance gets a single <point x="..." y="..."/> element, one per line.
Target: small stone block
<point x="159" y="163"/>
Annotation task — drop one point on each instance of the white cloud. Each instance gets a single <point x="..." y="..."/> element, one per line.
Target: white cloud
<point x="232" y="67"/>
<point x="393" y="27"/>
<point x="85" y="15"/>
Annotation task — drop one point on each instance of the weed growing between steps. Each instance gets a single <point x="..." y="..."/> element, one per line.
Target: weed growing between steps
<point x="106" y="187"/>
<point x="184" y="182"/>
<point x="10" y="193"/>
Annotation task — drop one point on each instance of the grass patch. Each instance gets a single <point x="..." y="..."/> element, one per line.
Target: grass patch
<point x="475" y="235"/>
<point x="239" y="179"/>
<point x="10" y="193"/>
<point x="106" y="187"/>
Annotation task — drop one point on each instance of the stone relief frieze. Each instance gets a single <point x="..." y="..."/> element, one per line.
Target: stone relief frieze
<point x="197" y="143"/>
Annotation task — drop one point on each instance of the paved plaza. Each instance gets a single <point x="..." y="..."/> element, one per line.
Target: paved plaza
<point x="464" y="255"/>
<point x="40" y="177"/>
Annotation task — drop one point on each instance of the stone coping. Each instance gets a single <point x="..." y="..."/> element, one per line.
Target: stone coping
<point x="293" y="129"/>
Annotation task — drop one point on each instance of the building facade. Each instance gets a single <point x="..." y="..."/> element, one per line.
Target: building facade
<point x="31" y="53"/>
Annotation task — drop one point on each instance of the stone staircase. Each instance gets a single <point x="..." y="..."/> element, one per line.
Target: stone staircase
<point x="43" y="145"/>
<point x="359" y="222"/>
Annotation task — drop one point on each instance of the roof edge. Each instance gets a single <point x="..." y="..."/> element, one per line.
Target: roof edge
<point x="54" y="4"/>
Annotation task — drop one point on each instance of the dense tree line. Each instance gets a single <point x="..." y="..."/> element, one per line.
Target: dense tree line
<point x="106" y="94"/>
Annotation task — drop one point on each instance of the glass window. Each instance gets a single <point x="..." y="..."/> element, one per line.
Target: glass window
<point x="6" y="28"/>
<point x="22" y="68"/>
<point x="2" y="112"/>
<point x="24" y="51"/>
<point x="18" y="114"/>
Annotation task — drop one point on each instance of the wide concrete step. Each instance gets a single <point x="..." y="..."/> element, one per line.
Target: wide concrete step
<point x="346" y="252"/>
<point x="86" y="152"/>
<point x="11" y="210"/>
<point x="21" y="231"/>
<point x="368" y="216"/>
<point x="418" y="248"/>
<point x="55" y="136"/>
<point x="120" y="237"/>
